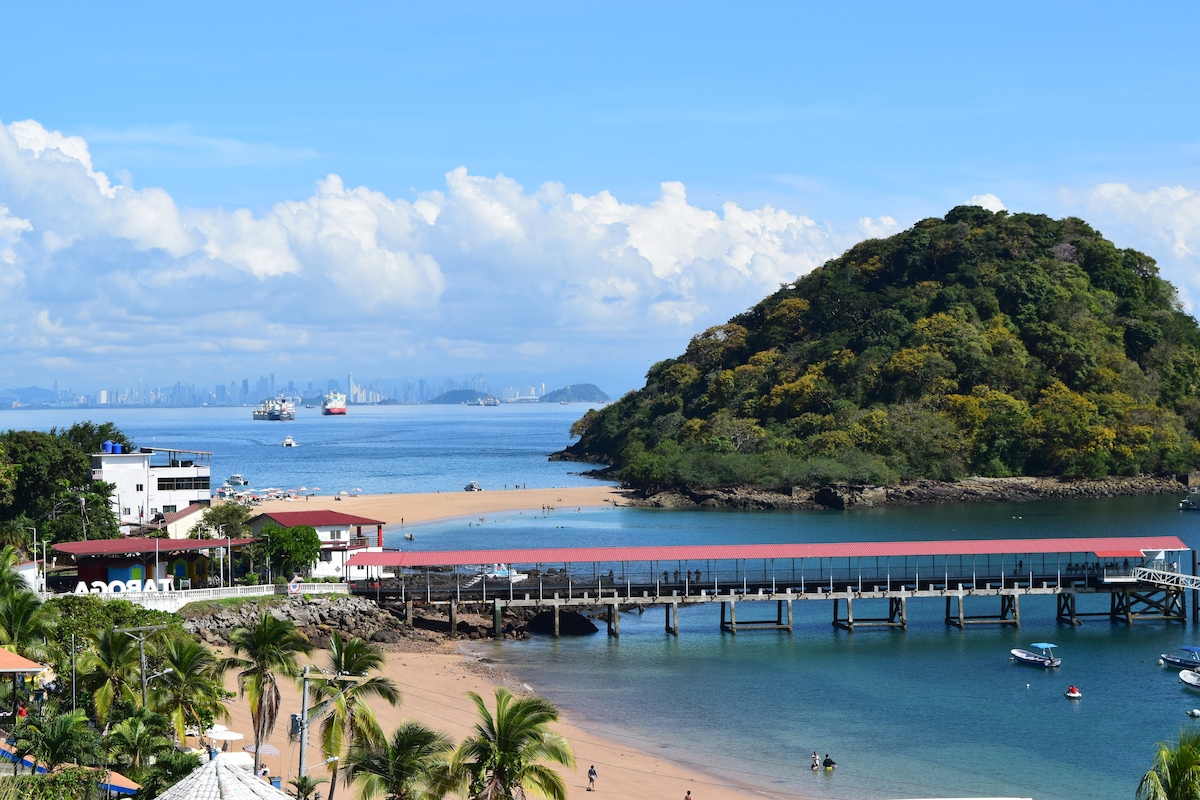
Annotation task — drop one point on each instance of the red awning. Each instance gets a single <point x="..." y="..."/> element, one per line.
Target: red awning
<point x="135" y="545"/>
<point x="1111" y="547"/>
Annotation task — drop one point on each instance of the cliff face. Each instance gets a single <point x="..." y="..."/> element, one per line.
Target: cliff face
<point x="978" y="344"/>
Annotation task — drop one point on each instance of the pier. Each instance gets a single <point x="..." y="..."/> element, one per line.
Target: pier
<point x="988" y="577"/>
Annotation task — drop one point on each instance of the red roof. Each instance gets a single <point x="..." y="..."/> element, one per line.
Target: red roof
<point x="137" y="545"/>
<point x="1114" y="547"/>
<point x="11" y="663"/>
<point x="317" y="519"/>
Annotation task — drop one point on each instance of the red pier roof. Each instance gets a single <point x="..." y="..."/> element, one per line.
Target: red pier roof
<point x="1110" y="547"/>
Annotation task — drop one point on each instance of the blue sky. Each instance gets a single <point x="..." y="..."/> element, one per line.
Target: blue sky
<point x="535" y="191"/>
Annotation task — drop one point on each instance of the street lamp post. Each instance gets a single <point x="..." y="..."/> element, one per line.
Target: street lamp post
<point x="144" y="631"/>
<point x="34" y="553"/>
<point x="220" y="532"/>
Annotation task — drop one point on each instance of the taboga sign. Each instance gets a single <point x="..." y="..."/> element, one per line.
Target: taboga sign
<point x="119" y="587"/>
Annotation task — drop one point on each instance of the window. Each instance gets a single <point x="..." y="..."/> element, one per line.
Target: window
<point x="183" y="484"/>
<point x="335" y="535"/>
<point x="125" y="512"/>
<point x="168" y="509"/>
<point x="141" y="487"/>
<point x="326" y="555"/>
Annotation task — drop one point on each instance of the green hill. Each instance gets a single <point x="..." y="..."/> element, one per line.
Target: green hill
<point x="576" y="393"/>
<point x="978" y="344"/>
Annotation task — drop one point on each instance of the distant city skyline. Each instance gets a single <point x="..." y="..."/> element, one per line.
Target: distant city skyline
<point x="247" y="392"/>
<point x="567" y="191"/>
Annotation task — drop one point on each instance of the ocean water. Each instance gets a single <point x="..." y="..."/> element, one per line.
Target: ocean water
<point x="377" y="449"/>
<point x="925" y="712"/>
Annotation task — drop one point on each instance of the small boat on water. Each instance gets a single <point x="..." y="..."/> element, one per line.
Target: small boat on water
<point x="1041" y="656"/>
<point x="408" y="537"/>
<point x="1190" y="679"/>
<point x="1189" y="660"/>
<point x="1073" y="693"/>
<point x="237" y="480"/>
<point x="288" y="441"/>
<point x="1192" y="501"/>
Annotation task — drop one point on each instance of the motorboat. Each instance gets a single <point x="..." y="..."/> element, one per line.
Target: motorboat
<point x="288" y="441"/>
<point x="1190" y="678"/>
<point x="237" y="480"/>
<point x="1192" y="501"/>
<point x="1042" y="655"/>
<point x="472" y="486"/>
<point x="1073" y="693"/>
<point x="408" y="537"/>
<point x="1189" y="660"/>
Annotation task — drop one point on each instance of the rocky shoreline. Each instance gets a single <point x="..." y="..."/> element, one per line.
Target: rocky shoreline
<point x="917" y="493"/>
<point x="318" y="616"/>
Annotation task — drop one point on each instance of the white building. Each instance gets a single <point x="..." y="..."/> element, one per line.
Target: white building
<point x="342" y="535"/>
<point x="152" y="481"/>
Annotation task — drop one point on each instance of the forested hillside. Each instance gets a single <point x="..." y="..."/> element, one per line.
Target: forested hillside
<point x="978" y="344"/>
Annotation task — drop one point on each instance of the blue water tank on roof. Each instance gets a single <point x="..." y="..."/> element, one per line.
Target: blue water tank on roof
<point x="116" y="448"/>
<point x="108" y="445"/>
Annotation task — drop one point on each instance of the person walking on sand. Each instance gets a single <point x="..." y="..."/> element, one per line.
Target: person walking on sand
<point x="688" y="796"/>
<point x="592" y="778"/>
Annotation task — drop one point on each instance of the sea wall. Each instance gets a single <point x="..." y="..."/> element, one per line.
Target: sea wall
<point x="914" y="493"/>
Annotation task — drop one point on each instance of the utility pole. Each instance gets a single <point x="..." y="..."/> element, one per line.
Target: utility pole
<point x="320" y="710"/>
<point x="141" y="640"/>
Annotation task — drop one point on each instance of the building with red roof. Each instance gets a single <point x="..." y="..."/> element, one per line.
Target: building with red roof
<point x="342" y="536"/>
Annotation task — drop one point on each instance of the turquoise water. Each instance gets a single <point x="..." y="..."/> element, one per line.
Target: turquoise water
<point x="926" y="712"/>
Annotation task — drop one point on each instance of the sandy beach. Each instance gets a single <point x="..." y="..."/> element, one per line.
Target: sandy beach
<point x="434" y="687"/>
<point x="411" y="509"/>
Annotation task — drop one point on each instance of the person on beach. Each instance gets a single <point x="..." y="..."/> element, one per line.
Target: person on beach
<point x="688" y="796"/>
<point x="828" y="763"/>
<point x="592" y="778"/>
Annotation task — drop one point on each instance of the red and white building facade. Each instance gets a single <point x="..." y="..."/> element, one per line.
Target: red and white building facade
<point x="342" y="536"/>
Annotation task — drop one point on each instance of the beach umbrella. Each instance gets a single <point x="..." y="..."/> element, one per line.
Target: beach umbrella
<point x="302" y="489"/>
<point x="344" y="493"/>
<point x="356" y="490"/>
<point x="264" y="749"/>
<point x="316" y="488"/>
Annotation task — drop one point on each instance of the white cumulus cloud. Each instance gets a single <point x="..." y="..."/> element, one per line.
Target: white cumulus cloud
<point x="988" y="201"/>
<point x="483" y="270"/>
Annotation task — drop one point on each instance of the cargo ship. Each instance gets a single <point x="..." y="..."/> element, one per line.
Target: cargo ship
<point x="276" y="408"/>
<point x="334" y="403"/>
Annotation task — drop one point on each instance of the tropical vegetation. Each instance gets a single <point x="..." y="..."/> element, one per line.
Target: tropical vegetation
<point x="980" y="343"/>
<point x="1176" y="771"/>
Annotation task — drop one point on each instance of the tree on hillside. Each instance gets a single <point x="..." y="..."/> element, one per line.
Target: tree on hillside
<point x="192" y="694"/>
<point x="293" y="550"/>
<point x="110" y="671"/>
<point x="90" y="437"/>
<point x="54" y="738"/>
<point x="1176" y="771"/>
<point x="413" y="764"/>
<point x="223" y="520"/>
<point x="504" y="755"/>
<point x="268" y="648"/>
<point x="350" y="719"/>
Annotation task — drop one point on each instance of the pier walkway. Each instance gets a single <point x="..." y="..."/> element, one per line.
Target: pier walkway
<point x="1140" y="574"/>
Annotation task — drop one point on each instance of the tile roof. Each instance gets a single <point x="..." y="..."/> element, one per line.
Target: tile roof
<point x="1109" y="547"/>
<point x="290" y="519"/>
<point x="136" y="544"/>
<point x="219" y="779"/>
<point x="11" y="663"/>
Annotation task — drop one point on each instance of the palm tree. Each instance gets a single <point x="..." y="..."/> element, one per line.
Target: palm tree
<point x="111" y="671"/>
<point x="305" y="785"/>
<point x="350" y="719"/>
<point x="268" y="647"/>
<point x="502" y="757"/>
<point x="193" y="688"/>
<point x="137" y="740"/>
<point x="27" y="626"/>
<point x="10" y="580"/>
<point x="1176" y="771"/>
<point x="53" y="739"/>
<point x="413" y="765"/>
